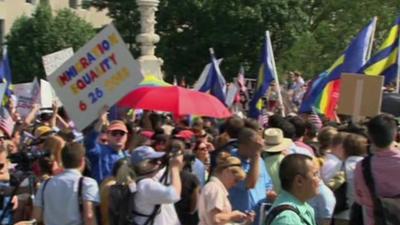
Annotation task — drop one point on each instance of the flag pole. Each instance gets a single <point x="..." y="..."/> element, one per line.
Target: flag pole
<point x="398" y="64"/>
<point x="372" y="39"/>
<point x="275" y="74"/>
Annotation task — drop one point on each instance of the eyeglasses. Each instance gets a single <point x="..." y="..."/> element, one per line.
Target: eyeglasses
<point x="115" y="133"/>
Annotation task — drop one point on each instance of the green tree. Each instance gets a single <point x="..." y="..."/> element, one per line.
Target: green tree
<point x="307" y="35"/>
<point x="32" y="37"/>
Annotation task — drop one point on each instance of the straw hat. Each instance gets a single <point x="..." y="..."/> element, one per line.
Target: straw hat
<point x="274" y="140"/>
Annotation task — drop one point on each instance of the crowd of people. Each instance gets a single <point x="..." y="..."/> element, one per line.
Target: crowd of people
<point x="153" y="168"/>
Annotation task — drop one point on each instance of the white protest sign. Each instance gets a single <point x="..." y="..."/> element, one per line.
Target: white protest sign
<point x="35" y="91"/>
<point x="54" y="60"/>
<point x="23" y="92"/>
<point x="100" y="73"/>
<point x="46" y="94"/>
<point x="231" y="94"/>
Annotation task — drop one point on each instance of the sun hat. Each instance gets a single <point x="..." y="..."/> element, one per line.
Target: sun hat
<point x="274" y="140"/>
<point x="143" y="153"/>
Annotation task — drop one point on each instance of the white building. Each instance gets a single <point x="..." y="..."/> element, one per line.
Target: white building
<point x="10" y="10"/>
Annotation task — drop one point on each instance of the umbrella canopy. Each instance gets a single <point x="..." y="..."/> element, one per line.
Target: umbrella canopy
<point x="151" y="80"/>
<point x="177" y="100"/>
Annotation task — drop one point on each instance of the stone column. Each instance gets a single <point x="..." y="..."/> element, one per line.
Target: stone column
<point x="150" y="64"/>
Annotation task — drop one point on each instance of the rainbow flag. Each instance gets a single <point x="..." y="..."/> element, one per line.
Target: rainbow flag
<point x="323" y="94"/>
<point x="385" y="61"/>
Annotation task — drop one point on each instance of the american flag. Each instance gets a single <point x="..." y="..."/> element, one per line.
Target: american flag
<point x="240" y="80"/>
<point x="6" y="122"/>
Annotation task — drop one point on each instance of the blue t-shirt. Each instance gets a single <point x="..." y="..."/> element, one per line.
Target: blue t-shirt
<point x="244" y="199"/>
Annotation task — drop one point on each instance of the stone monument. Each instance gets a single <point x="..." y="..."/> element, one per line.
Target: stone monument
<point x="150" y="64"/>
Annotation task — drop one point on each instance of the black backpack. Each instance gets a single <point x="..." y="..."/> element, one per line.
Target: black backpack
<point x="122" y="207"/>
<point x="274" y="212"/>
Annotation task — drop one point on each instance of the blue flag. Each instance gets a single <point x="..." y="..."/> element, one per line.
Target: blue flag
<point x="385" y="61"/>
<point x="349" y="62"/>
<point x="214" y="82"/>
<point x="266" y="74"/>
<point x="5" y="72"/>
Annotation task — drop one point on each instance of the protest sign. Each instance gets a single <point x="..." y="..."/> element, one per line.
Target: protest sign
<point x="100" y="73"/>
<point x="231" y="94"/>
<point x="54" y="60"/>
<point x="47" y="94"/>
<point x="24" y="94"/>
<point x="360" y="95"/>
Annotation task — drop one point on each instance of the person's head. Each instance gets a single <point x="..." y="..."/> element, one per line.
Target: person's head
<point x="337" y="143"/>
<point x="325" y="138"/>
<point x="252" y="124"/>
<point x="160" y="142"/>
<point x="73" y="156"/>
<point x="117" y="135"/>
<point x="299" y="175"/>
<point x="123" y="172"/>
<point x="300" y="127"/>
<point x="250" y="142"/>
<point x="146" y="161"/>
<point x="54" y="146"/>
<point x="233" y="126"/>
<point x="288" y="129"/>
<point x="201" y="150"/>
<point x="275" y="142"/>
<point x="354" y="145"/>
<point x="3" y="160"/>
<point x="229" y="169"/>
<point x="382" y="130"/>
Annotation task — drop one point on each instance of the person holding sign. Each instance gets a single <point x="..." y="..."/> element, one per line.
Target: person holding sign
<point x="103" y="156"/>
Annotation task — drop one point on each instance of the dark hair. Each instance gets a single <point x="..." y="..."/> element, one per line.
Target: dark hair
<point x="275" y="121"/>
<point x="72" y="155"/>
<point x="291" y="166"/>
<point x="382" y="130"/>
<point x="245" y="135"/>
<point x="252" y="124"/>
<point x="299" y="125"/>
<point x="288" y="129"/>
<point x="355" y="145"/>
<point x="233" y="126"/>
<point x="311" y="130"/>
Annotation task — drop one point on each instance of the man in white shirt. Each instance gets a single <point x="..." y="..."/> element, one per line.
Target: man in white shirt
<point x="154" y="198"/>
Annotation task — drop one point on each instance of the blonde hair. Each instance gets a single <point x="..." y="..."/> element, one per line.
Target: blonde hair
<point x="54" y="145"/>
<point x="226" y="161"/>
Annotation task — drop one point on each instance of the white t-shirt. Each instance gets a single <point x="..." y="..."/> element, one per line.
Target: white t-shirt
<point x="331" y="166"/>
<point x="150" y="193"/>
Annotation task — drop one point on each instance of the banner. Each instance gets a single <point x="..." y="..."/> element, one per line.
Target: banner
<point x="100" y="73"/>
<point x="24" y="93"/>
<point x="54" y="60"/>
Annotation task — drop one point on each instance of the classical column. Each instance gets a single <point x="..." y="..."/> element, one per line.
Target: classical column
<point x="151" y="65"/>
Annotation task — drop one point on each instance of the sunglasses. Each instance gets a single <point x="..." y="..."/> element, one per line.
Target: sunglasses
<point x="115" y="133"/>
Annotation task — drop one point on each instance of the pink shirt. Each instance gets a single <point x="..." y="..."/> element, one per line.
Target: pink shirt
<point x="213" y="196"/>
<point x="385" y="167"/>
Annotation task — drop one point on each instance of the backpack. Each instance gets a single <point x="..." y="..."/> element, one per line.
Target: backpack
<point x="279" y="209"/>
<point x="386" y="209"/>
<point x="122" y="207"/>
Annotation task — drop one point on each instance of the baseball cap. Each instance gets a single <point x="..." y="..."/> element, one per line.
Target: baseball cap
<point x="43" y="131"/>
<point x="142" y="153"/>
<point x="117" y="125"/>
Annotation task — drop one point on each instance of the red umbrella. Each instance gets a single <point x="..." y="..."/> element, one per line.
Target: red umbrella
<point x="177" y="100"/>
